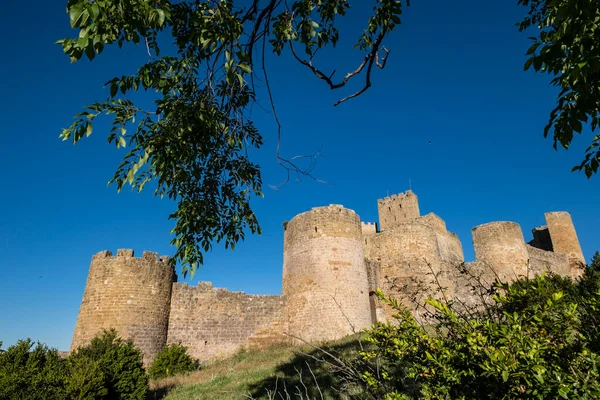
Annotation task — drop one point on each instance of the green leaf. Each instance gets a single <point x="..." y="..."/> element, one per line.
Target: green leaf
<point x="89" y="51"/>
<point x="505" y="375"/>
<point x="245" y="68"/>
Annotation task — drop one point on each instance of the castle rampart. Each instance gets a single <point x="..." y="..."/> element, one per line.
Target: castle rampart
<point x="368" y="228"/>
<point x="543" y="260"/>
<point x="214" y="322"/>
<point x="405" y="259"/>
<point x="129" y="294"/>
<point x="332" y="265"/>
<point x="324" y="275"/>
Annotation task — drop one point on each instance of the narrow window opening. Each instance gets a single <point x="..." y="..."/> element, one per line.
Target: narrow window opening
<point x="316" y="230"/>
<point x="389" y="208"/>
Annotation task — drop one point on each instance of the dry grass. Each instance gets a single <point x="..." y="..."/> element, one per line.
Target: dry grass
<point x="225" y="379"/>
<point x="253" y="374"/>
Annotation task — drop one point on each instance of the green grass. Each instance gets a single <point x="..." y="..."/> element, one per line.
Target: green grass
<point x="284" y="369"/>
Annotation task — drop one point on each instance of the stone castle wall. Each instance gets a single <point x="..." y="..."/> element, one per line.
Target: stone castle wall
<point x="324" y="275"/>
<point x="129" y="294"/>
<point x="412" y="259"/>
<point x="564" y="238"/>
<point x="397" y="209"/>
<point x="214" y="322"/>
<point x="332" y="265"/>
<point x="502" y="246"/>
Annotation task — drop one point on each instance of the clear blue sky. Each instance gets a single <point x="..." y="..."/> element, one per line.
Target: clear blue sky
<point x="454" y="78"/>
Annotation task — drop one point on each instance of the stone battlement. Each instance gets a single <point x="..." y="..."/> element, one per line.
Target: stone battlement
<point x="121" y="253"/>
<point x="207" y="286"/>
<point x="397" y="196"/>
<point x="368" y="228"/>
<point x="332" y="265"/>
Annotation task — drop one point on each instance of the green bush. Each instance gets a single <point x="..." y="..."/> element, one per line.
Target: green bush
<point x="539" y="339"/>
<point x="31" y="373"/>
<point x="171" y="360"/>
<point x="85" y="380"/>
<point x="120" y="364"/>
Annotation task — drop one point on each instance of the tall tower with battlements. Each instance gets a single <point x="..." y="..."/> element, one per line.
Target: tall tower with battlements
<point x="129" y="294"/>
<point x="397" y="209"/>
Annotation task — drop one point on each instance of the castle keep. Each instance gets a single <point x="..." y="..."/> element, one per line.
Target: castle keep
<point x="332" y="264"/>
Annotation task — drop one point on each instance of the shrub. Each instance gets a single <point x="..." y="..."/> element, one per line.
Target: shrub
<point x="31" y="373"/>
<point x="171" y="360"/>
<point x="538" y="339"/>
<point x="85" y="380"/>
<point x="120" y="363"/>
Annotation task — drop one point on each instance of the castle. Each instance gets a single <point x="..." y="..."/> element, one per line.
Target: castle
<point x="332" y="265"/>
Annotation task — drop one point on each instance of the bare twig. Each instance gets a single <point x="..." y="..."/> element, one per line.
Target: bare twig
<point x="148" y="48"/>
<point x="370" y="59"/>
<point x="342" y="311"/>
<point x="288" y="164"/>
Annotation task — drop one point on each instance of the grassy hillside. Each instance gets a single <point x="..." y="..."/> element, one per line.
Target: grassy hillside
<point x="278" y="372"/>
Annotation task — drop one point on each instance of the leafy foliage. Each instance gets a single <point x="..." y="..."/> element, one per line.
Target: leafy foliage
<point x="85" y="379"/>
<point x="193" y="144"/>
<point x="120" y="364"/>
<point x="539" y="339"/>
<point x="566" y="47"/>
<point x="594" y="265"/>
<point x="171" y="360"/>
<point x="31" y="373"/>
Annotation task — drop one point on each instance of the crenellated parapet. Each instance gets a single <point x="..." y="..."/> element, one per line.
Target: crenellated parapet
<point x="368" y="228"/>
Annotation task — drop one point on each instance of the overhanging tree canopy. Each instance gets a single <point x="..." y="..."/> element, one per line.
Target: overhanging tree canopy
<point x="193" y="143"/>
<point x="567" y="46"/>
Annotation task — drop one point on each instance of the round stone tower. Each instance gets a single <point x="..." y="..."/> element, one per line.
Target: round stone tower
<point x="129" y="294"/>
<point x="325" y="285"/>
<point x="501" y="246"/>
<point x="564" y="240"/>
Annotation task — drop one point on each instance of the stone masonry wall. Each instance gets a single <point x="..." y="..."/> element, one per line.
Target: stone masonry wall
<point x="129" y="294"/>
<point x="214" y="323"/>
<point x="564" y="239"/>
<point x="325" y="283"/>
<point x="407" y="256"/>
<point x="501" y="245"/>
<point x="397" y="209"/>
<point x="449" y="245"/>
<point x="541" y="260"/>
<point x="332" y="266"/>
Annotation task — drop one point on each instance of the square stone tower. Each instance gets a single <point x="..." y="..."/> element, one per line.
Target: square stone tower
<point x="397" y="209"/>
